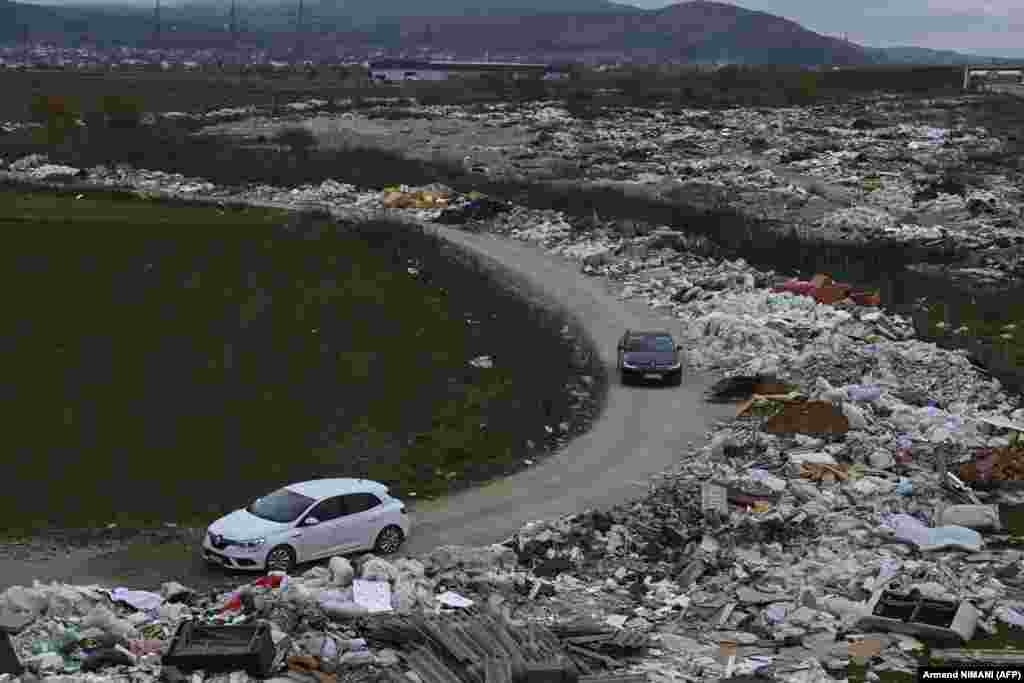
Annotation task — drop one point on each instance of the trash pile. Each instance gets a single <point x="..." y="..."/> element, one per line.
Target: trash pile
<point x="235" y="113"/>
<point x="404" y="198"/>
<point x="821" y="168"/>
<point x="997" y="467"/>
<point x="378" y="615"/>
<point x="825" y="524"/>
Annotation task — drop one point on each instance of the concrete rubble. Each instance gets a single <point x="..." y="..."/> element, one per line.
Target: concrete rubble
<point x="872" y="170"/>
<point x="768" y="550"/>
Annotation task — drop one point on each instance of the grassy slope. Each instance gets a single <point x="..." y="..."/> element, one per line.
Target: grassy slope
<point x="168" y="363"/>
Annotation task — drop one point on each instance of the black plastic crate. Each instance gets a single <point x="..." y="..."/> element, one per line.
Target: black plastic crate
<point x="9" y="663"/>
<point x="221" y="648"/>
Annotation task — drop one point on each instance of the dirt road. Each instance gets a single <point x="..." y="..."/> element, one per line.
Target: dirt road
<point x="641" y="432"/>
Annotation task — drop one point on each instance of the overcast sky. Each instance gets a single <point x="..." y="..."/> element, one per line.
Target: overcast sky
<point x="992" y="27"/>
<point x="981" y="27"/>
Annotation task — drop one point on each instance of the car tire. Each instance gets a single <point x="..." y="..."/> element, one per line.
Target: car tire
<point x="280" y="559"/>
<point x="624" y="379"/>
<point x="676" y="379"/>
<point x="389" y="540"/>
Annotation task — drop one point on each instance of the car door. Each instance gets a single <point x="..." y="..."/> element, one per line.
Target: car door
<point x="325" y="537"/>
<point x="364" y="518"/>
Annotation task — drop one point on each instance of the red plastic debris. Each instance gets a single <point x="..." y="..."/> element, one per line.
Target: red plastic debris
<point x="234" y="603"/>
<point x="269" y="582"/>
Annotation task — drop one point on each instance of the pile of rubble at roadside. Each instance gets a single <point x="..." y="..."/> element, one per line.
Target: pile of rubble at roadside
<point x="376" y="619"/>
<point x="743" y="560"/>
<point x="847" y="174"/>
<point x="222" y="114"/>
<point x="827" y="519"/>
<point x="868" y="171"/>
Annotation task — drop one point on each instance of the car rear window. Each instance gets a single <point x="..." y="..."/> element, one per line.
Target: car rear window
<point x="650" y="343"/>
<point x="280" y="506"/>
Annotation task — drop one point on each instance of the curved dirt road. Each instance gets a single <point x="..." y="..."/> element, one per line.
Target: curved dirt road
<point x="641" y="432"/>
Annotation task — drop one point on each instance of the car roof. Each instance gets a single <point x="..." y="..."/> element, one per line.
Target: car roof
<point x="648" y="333"/>
<point x="318" y="489"/>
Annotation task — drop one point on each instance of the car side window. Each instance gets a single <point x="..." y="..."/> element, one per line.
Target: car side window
<point x="328" y="509"/>
<point x="360" y="502"/>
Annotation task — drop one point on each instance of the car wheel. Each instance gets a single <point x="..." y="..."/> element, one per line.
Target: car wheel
<point x="676" y="379"/>
<point x="281" y="559"/>
<point x="388" y="540"/>
<point x="624" y="378"/>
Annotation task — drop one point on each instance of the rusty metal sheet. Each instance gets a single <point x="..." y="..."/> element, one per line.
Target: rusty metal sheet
<point x="829" y="294"/>
<point x="808" y="417"/>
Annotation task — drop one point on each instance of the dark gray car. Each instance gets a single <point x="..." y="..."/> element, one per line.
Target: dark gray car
<point x="649" y="356"/>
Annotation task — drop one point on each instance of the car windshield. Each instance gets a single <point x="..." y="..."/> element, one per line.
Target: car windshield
<point x="280" y="506"/>
<point x="650" y="343"/>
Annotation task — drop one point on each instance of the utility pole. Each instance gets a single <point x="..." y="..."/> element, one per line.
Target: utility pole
<point x="156" y="24"/>
<point x="298" y="31"/>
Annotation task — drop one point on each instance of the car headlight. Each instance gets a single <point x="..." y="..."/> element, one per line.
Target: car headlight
<point x="675" y="366"/>
<point x="252" y="544"/>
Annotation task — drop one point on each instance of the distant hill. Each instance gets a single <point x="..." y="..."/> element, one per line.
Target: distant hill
<point x="105" y="26"/>
<point x="691" y="31"/>
<point x="695" y="31"/>
<point x="923" y="55"/>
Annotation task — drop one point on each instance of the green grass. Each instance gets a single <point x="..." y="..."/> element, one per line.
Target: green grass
<point x="1002" y="329"/>
<point x="169" y="363"/>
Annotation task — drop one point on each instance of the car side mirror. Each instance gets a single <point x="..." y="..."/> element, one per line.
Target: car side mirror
<point x="679" y="347"/>
<point x="310" y="521"/>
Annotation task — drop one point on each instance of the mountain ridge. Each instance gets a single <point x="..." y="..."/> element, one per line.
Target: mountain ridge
<point x="693" y="31"/>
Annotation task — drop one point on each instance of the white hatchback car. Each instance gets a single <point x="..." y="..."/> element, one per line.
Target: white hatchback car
<point x="308" y="521"/>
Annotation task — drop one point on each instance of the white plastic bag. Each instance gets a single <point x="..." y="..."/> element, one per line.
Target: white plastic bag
<point x="26" y="599"/>
<point x="980" y="517"/>
<point x="342" y="572"/>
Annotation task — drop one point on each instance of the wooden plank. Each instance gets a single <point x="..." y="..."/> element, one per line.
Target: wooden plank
<point x="497" y="630"/>
<point x="487" y="642"/>
<point x="498" y="670"/>
<point x="426" y="669"/>
<point x="457" y="645"/>
<point x="607" y="661"/>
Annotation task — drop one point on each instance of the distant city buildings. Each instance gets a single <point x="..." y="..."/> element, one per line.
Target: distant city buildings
<point x="433" y="64"/>
<point x="423" y="70"/>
